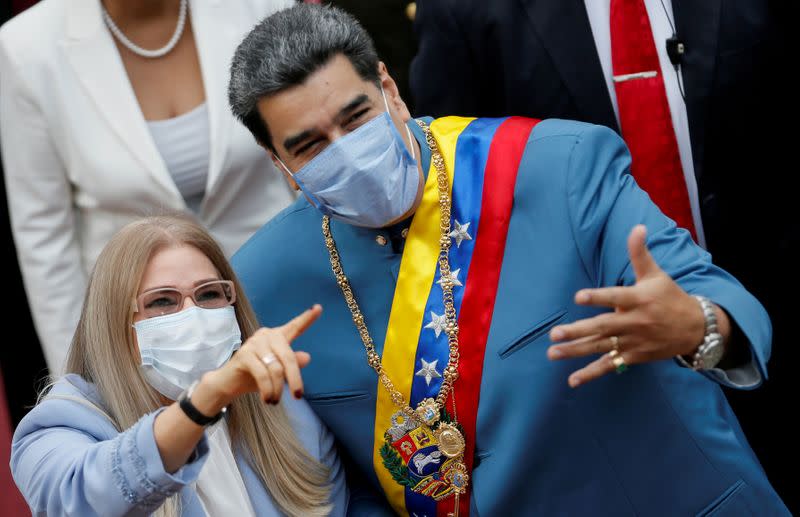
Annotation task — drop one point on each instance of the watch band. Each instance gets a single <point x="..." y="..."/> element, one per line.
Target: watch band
<point x="185" y="403"/>
<point x="703" y="358"/>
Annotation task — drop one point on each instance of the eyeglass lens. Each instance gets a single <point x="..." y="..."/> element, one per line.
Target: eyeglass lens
<point x="212" y="295"/>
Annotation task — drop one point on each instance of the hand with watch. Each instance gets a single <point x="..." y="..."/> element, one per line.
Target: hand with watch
<point x="653" y="319"/>
<point x="194" y="414"/>
<point x="263" y="364"/>
<point x="711" y="350"/>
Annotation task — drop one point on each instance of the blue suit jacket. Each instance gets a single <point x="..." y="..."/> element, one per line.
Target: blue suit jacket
<point x="67" y="458"/>
<point x="658" y="440"/>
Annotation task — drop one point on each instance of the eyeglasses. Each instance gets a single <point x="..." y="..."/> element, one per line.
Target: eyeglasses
<point x="168" y="300"/>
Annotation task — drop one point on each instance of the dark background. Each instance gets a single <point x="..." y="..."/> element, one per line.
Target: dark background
<point x="392" y="31"/>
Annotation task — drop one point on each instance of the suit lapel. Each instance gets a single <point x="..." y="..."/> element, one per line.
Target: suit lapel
<point x="697" y="25"/>
<point x="215" y="47"/>
<point x="92" y="53"/>
<point x="564" y="30"/>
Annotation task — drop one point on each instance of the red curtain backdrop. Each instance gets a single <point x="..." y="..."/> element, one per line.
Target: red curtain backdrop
<point x="11" y="502"/>
<point x="18" y="6"/>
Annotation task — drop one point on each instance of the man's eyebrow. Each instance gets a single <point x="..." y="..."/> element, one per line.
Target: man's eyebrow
<point x="351" y="106"/>
<point x="292" y="141"/>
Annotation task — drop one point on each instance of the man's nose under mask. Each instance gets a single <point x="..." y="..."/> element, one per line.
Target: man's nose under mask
<point x="365" y="178"/>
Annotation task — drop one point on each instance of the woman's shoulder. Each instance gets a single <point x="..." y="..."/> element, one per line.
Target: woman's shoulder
<point x="35" y="31"/>
<point x="70" y="402"/>
<point x="73" y="385"/>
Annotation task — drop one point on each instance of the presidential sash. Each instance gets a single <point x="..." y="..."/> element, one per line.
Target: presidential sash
<point x="481" y="157"/>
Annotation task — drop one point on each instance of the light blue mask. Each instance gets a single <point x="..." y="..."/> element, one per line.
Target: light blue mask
<point x="365" y="178"/>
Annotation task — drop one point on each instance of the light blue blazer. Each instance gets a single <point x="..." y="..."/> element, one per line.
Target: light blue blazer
<point x="657" y="440"/>
<point x="67" y="458"/>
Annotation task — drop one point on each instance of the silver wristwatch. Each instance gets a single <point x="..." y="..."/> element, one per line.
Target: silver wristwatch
<point x="710" y="351"/>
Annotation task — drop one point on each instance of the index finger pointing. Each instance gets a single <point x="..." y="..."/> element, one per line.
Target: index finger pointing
<point x="295" y="328"/>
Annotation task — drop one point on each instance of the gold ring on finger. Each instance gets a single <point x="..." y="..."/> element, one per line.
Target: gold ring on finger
<point x="618" y="361"/>
<point x="614" y="342"/>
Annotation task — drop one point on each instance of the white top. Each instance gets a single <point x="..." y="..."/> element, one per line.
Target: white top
<point x="184" y="143"/>
<point x="79" y="159"/>
<point x="220" y="486"/>
<point x="599" y="12"/>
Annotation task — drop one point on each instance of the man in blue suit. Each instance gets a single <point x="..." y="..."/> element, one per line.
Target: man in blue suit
<point x="475" y="273"/>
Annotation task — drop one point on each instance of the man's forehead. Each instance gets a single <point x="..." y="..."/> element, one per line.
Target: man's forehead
<point x="318" y="99"/>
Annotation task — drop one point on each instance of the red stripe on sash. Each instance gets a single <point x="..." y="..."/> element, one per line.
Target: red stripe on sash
<point x="505" y="154"/>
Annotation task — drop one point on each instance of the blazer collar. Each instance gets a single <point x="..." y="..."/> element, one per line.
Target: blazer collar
<point x="215" y="46"/>
<point x="91" y="51"/>
<point x="564" y="30"/>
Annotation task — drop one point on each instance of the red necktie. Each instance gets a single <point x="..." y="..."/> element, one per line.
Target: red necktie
<point x="644" y="114"/>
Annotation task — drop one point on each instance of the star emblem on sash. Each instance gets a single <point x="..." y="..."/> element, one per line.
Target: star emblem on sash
<point x="459" y="233"/>
<point x="437" y="324"/>
<point x="428" y="371"/>
<point x="453" y="278"/>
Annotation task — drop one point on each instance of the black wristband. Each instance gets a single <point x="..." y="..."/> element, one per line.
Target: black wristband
<point x="192" y="412"/>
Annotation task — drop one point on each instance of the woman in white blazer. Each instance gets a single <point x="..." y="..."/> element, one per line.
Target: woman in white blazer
<point x="95" y="133"/>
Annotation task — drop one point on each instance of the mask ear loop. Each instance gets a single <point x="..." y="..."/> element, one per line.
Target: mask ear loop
<point x="311" y="197"/>
<point x="408" y="131"/>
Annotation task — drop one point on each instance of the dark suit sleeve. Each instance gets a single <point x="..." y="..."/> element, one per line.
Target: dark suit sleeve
<point x="605" y="204"/>
<point x="442" y="78"/>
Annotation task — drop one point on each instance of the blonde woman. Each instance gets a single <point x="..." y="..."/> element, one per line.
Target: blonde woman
<point x="175" y="402"/>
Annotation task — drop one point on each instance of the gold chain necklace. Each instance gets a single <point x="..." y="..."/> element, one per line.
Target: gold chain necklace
<point x="428" y="411"/>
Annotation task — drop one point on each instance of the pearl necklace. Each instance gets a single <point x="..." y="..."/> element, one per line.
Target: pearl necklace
<point x="139" y="50"/>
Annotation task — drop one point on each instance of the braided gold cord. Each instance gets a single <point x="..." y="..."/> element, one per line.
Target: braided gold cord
<point x="451" y="328"/>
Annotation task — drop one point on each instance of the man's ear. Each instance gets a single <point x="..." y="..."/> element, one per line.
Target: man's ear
<point x="279" y="166"/>
<point x="392" y="93"/>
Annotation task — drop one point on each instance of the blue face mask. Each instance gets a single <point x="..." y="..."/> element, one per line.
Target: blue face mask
<point x="365" y="178"/>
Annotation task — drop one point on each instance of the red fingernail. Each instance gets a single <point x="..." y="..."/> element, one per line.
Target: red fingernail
<point x="298" y="394"/>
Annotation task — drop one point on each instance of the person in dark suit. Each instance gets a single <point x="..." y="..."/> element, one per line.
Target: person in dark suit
<point x="389" y="23"/>
<point x="546" y="59"/>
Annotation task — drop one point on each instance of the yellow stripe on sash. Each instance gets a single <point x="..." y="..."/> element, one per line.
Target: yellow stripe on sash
<point x="417" y="270"/>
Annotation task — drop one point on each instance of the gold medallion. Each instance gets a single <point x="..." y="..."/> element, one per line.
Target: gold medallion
<point x="451" y="441"/>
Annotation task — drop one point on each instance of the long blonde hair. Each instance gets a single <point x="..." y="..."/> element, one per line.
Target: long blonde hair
<point x="103" y="352"/>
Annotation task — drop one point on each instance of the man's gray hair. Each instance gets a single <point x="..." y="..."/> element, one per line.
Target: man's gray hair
<point x="287" y="47"/>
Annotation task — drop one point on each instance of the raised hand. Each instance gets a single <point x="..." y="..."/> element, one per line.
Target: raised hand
<point x="266" y="361"/>
<point x="652" y="320"/>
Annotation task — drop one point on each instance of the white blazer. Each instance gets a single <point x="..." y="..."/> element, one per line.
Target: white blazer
<point x="79" y="159"/>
